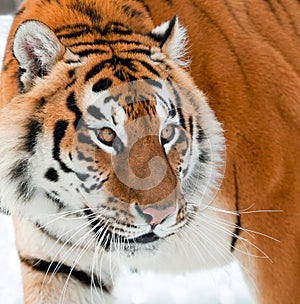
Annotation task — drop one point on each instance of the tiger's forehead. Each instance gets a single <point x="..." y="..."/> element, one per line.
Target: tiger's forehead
<point x="127" y="103"/>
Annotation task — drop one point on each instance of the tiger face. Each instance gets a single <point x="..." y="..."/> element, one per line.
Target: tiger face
<point x="110" y="138"/>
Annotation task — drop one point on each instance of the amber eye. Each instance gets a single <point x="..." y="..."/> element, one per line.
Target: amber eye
<point x="167" y="134"/>
<point x="106" y="136"/>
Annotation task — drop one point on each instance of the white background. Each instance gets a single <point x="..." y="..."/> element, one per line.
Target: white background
<point x="222" y="286"/>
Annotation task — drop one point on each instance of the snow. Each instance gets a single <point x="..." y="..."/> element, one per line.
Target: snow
<point x="223" y="286"/>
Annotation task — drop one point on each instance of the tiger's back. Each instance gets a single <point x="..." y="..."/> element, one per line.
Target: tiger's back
<point x="245" y="58"/>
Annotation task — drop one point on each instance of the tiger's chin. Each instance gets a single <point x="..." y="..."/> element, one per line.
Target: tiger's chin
<point x="145" y="244"/>
<point x="148" y="243"/>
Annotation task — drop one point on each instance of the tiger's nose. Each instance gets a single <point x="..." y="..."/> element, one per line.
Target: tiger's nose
<point x="155" y="215"/>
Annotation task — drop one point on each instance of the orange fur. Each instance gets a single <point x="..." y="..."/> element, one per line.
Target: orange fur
<point x="245" y="57"/>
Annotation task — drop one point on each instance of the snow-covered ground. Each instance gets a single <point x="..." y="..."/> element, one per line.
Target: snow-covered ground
<point x="224" y="286"/>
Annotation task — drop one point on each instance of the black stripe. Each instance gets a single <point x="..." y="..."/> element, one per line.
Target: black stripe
<point x="200" y="135"/>
<point x="103" y="235"/>
<point x="131" y="11"/>
<point x="41" y="104"/>
<point x="70" y="61"/>
<point x="102" y="85"/>
<point x="97" y="69"/>
<point x="149" y="67"/>
<point x="73" y="35"/>
<point x="154" y="83"/>
<point x="82" y="176"/>
<point x="24" y="189"/>
<point x="178" y="103"/>
<point x="81" y="156"/>
<point x="235" y="234"/>
<point x="86" y="9"/>
<point x="88" y="52"/>
<point x="105" y="42"/>
<point x="95" y="112"/>
<point x="85" y="139"/>
<point x="59" y="133"/>
<point x="19" y="173"/>
<point x="146" y="6"/>
<point x="71" y="104"/>
<point x="146" y="52"/>
<point x="204" y="156"/>
<point x="172" y="111"/>
<point x="181" y="118"/>
<point x="4" y="210"/>
<point x="82" y="26"/>
<point x="20" y="84"/>
<point x="114" y="98"/>
<point x="191" y="127"/>
<point x="123" y="76"/>
<point x="19" y="170"/>
<point x="55" y="267"/>
<point x="52" y="196"/>
<point x="116" y="28"/>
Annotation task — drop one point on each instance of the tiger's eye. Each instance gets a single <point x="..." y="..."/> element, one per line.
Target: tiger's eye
<point x="106" y="136"/>
<point x="167" y="134"/>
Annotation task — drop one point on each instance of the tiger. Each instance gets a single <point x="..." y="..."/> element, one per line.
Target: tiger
<point x="150" y="134"/>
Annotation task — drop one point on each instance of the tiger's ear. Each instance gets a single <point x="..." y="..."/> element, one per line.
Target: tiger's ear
<point x="36" y="49"/>
<point x="173" y="40"/>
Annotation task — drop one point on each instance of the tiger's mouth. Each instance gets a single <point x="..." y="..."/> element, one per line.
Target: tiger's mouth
<point x="144" y="239"/>
<point x="107" y="236"/>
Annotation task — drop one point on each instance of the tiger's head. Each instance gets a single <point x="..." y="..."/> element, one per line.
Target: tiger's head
<point x="109" y="131"/>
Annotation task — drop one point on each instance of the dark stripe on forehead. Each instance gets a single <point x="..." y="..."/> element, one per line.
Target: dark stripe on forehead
<point x="133" y="12"/>
<point x="71" y="27"/>
<point x="116" y="28"/>
<point x="86" y="9"/>
<point x="145" y="52"/>
<point x="124" y="76"/>
<point x="73" y="35"/>
<point x="97" y="69"/>
<point x="106" y="42"/>
<point x="90" y="51"/>
<point x="59" y="133"/>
